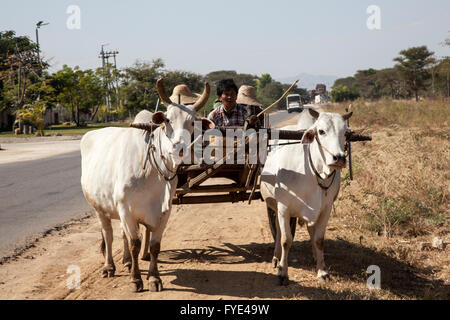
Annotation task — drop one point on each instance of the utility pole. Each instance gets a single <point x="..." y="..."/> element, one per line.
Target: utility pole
<point x="107" y="82"/>
<point x="114" y="53"/>
<point x="38" y="25"/>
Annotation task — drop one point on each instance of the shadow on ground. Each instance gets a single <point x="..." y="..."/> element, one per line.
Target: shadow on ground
<point x="345" y="261"/>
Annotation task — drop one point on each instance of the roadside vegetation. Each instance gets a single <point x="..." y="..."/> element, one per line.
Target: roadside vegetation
<point x="398" y="203"/>
<point x="402" y="175"/>
<point x="68" y="130"/>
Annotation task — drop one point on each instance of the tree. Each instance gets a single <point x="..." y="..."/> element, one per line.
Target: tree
<point x="270" y="93"/>
<point x="78" y="90"/>
<point x="341" y="93"/>
<point x="444" y="72"/>
<point x="367" y="84"/>
<point x="413" y="67"/>
<point x="239" y="78"/>
<point x="19" y="67"/>
<point x="194" y="81"/>
<point x="392" y="84"/>
<point x="139" y="85"/>
<point x="443" y="81"/>
<point x="263" y="81"/>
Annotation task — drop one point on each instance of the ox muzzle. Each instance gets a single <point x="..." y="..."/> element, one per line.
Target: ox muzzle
<point x="339" y="161"/>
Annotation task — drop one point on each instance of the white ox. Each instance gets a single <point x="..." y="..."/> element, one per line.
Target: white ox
<point x="117" y="186"/>
<point x="303" y="180"/>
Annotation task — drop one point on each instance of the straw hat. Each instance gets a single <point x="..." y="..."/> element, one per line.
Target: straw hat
<point x="186" y="96"/>
<point x="247" y="95"/>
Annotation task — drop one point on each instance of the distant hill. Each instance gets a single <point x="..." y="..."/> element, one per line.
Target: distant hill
<point x="309" y="81"/>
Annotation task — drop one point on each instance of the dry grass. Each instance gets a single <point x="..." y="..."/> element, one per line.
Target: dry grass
<point x="403" y="174"/>
<point x="426" y="114"/>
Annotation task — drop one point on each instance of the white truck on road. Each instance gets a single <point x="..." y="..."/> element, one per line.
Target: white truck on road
<point x="294" y="103"/>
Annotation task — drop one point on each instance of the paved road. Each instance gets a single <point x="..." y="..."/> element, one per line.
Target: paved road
<point x="36" y="195"/>
<point x="279" y="117"/>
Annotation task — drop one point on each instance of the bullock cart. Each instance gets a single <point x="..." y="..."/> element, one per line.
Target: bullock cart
<point x="239" y="182"/>
<point x="197" y="183"/>
<point x="243" y="174"/>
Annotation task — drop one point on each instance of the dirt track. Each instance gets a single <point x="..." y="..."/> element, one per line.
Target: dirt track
<point x="208" y="252"/>
<point x="211" y="252"/>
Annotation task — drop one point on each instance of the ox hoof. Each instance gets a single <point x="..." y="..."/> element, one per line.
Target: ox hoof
<point x="155" y="284"/>
<point x="108" y="271"/>
<point x="282" y="280"/>
<point x="323" y="276"/>
<point x="146" y="257"/>
<point x="137" y="286"/>
<point x="275" y="262"/>
<point x="127" y="265"/>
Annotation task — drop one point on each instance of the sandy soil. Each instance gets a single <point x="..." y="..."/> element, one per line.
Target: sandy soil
<point x="220" y="252"/>
<point x="206" y="254"/>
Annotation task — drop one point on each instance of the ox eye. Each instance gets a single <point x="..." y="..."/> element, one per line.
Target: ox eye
<point x="321" y="132"/>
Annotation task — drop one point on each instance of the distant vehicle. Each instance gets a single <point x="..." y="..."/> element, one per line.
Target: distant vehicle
<point x="294" y="103"/>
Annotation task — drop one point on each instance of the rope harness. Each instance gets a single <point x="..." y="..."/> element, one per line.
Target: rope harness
<point x="151" y="149"/>
<point x="320" y="180"/>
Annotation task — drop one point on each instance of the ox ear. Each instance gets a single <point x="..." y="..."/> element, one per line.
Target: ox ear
<point x="207" y="124"/>
<point x="347" y="115"/>
<point x="313" y="113"/>
<point x="308" y="136"/>
<point x="158" y="117"/>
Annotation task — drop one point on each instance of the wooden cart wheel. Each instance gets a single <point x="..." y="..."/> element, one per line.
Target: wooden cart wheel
<point x="273" y="225"/>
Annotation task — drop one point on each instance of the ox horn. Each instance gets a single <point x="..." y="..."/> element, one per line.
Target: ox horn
<point x="347" y="115"/>
<point x="313" y="113"/>
<point x="203" y="99"/>
<point x="162" y="92"/>
<point x="144" y="126"/>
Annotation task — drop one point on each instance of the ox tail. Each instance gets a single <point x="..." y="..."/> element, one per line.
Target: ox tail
<point x="272" y="222"/>
<point x="272" y="215"/>
<point x="103" y="245"/>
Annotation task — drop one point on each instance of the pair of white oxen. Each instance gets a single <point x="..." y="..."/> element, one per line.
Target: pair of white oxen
<point x="298" y="180"/>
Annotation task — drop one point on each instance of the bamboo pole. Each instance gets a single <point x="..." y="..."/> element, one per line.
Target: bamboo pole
<point x="276" y="102"/>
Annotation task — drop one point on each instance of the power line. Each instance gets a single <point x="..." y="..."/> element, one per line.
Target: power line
<point x="108" y="82"/>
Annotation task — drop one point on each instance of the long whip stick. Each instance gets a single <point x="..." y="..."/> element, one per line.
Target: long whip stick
<point x="281" y="98"/>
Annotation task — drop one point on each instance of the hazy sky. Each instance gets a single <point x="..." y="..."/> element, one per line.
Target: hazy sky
<point x="281" y="37"/>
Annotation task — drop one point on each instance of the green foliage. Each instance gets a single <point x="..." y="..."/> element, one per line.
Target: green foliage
<point x="33" y="114"/>
<point x="413" y="66"/>
<point x="139" y="84"/>
<point x="403" y="214"/>
<point x="417" y="72"/>
<point x="341" y="93"/>
<point x="19" y="68"/>
<point x="78" y="90"/>
<point x="269" y="90"/>
<point x="192" y="80"/>
<point x="8" y="43"/>
<point x="264" y="81"/>
<point x="239" y="78"/>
